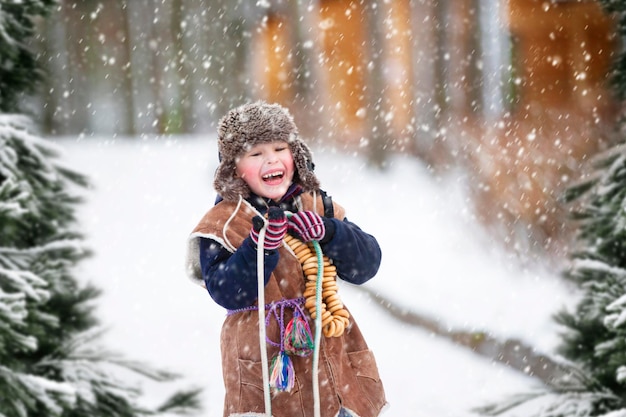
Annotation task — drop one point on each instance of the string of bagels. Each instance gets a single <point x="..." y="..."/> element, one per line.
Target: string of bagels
<point x="334" y="317"/>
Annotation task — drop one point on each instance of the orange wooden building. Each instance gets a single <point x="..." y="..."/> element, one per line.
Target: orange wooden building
<point x="340" y="64"/>
<point x="562" y="115"/>
<point x="560" y="111"/>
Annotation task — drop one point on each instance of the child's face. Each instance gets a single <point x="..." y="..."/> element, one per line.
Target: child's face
<point x="267" y="168"/>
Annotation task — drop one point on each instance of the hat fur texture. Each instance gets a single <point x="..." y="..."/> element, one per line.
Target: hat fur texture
<point x="251" y="124"/>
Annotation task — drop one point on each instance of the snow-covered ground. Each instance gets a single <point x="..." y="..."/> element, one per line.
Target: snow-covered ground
<point x="149" y="194"/>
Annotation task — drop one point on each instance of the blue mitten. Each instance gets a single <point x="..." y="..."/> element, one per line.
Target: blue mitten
<point x="276" y="228"/>
<point x="307" y="225"/>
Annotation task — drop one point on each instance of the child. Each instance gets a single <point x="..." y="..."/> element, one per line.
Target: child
<point x="266" y="171"/>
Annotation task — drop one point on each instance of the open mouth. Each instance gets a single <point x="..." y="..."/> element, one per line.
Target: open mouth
<point x="273" y="176"/>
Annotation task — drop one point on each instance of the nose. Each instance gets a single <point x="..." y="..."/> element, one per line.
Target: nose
<point x="272" y="157"/>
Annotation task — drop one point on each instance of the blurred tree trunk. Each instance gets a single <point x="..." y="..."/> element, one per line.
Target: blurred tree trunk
<point x="319" y="106"/>
<point x="441" y="70"/>
<point x="426" y="30"/>
<point x="75" y="115"/>
<point x="462" y="80"/>
<point x="128" y="88"/>
<point x="54" y="52"/>
<point x="233" y="72"/>
<point x="496" y="69"/>
<point x="202" y="57"/>
<point x="462" y="52"/>
<point x="306" y="101"/>
<point x="375" y="86"/>
<point x="229" y="46"/>
<point x="159" y="113"/>
<point x="182" y="60"/>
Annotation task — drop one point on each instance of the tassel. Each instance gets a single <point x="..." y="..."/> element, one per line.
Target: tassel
<point x="298" y="340"/>
<point x="282" y="377"/>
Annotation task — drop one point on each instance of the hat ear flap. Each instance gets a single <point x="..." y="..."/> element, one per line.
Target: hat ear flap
<point x="229" y="186"/>
<point x="303" y="160"/>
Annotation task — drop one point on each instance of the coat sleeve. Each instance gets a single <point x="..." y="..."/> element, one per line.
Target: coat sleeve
<point x="231" y="278"/>
<point x="356" y="254"/>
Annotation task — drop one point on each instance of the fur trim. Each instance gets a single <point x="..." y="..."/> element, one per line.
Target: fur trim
<point x="192" y="257"/>
<point x="252" y="124"/>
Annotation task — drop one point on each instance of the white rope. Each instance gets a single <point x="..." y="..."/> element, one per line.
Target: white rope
<point x="318" y="327"/>
<point x="318" y="330"/>
<point x="318" y="322"/>
<point x="225" y="228"/>
<point x="262" y="332"/>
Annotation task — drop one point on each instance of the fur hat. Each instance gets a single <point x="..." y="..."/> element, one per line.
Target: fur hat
<point x="248" y="125"/>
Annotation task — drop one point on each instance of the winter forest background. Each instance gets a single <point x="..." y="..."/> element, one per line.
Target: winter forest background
<point x="508" y="111"/>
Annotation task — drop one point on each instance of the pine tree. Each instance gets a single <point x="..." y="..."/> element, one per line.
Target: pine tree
<point x="51" y="363"/>
<point x="594" y="340"/>
<point x="18" y="67"/>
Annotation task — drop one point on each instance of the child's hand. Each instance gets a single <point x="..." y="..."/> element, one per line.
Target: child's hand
<point x="307" y="225"/>
<point x="276" y="228"/>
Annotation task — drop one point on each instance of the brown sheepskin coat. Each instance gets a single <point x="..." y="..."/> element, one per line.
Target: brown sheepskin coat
<point x="348" y="375"/>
